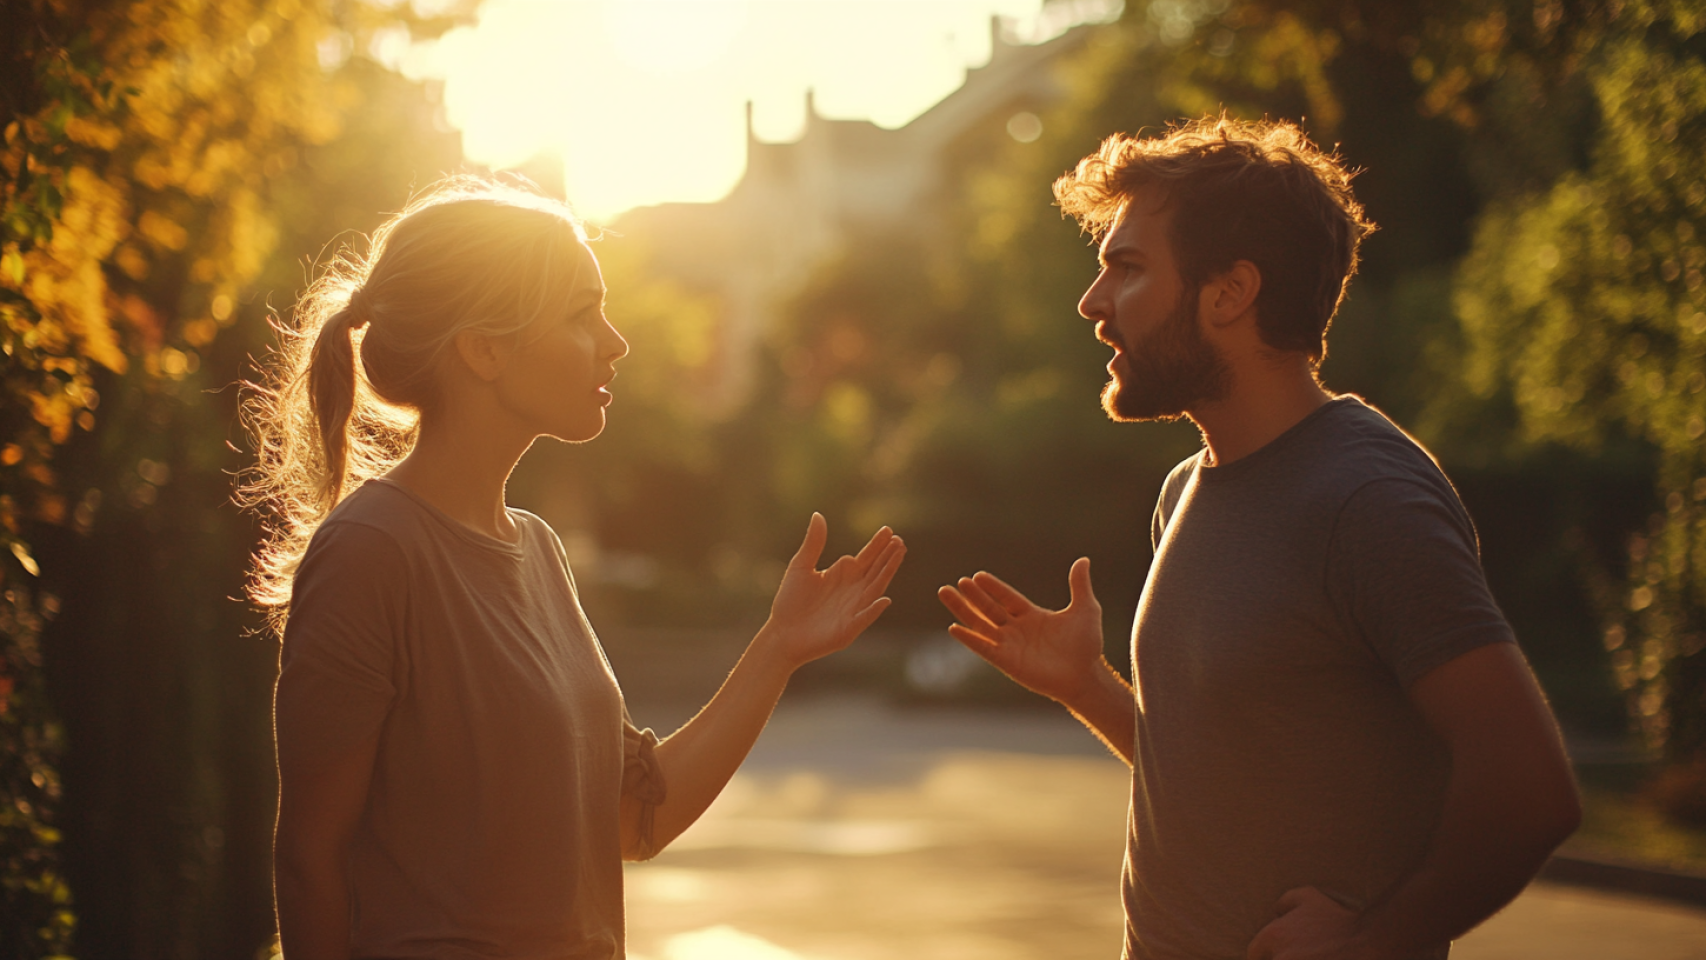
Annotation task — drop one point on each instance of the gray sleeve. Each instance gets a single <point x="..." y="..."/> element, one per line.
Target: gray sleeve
<point x="1158" y="523"/>
<point x="1404" y="575"/>
<point x="336" y="668"/>
<point x="1167" y="504"/>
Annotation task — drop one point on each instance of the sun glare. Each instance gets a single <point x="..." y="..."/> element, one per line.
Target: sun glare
<point x="644" y="100"/>
<point x="670" y="37"/>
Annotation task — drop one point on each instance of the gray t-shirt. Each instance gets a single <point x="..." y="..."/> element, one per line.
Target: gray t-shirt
<point x="491" y="825"/>
<point x="1294" y="596"/>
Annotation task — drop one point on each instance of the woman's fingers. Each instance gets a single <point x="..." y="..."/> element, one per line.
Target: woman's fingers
<point x="869" y="615"/>
<point x="888" y="564"/>
<point x="1011" y="601"/>
<point x="873" y="548"/>
<point x="811" y="549"/>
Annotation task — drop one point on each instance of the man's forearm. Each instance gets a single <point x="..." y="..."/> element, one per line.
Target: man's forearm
<point x="1107" y="706"/>
<point x="1511" y="799"/>
<point x="1481" y="857"/>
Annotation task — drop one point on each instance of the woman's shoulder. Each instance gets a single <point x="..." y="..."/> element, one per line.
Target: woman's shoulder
<point x="366" y="528"/>
<point x="536" y="536"/>
<point x="376" y="504"/>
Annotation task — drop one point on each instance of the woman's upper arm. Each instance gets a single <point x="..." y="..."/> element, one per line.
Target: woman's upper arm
<point x="320" y="801"/>
<point x="643" y="789"/>
<point x="336" y="681"/>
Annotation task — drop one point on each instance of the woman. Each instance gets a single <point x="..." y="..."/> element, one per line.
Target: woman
<point x="458" y="776"/>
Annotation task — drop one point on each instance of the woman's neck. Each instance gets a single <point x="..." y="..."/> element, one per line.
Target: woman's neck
<point x="461" y="467"/>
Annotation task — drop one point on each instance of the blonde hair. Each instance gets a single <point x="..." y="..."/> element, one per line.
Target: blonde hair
<point x="469" y="253"/>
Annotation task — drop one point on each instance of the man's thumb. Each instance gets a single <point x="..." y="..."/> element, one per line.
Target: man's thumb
<point x="1079" y="580"/>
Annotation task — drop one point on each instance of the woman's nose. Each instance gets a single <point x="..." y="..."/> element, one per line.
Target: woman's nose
<point x="616" y="346"/>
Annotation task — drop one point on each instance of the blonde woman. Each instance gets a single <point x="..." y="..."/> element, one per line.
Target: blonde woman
<point x="458" y="775"/>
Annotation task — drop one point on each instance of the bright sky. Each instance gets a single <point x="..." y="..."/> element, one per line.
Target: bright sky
<point x="645" y="99"/>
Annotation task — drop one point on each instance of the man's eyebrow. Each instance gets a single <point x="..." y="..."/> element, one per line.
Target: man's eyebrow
<point x="1119" y="251"/>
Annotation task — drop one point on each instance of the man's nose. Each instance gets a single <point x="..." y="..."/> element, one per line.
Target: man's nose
<point x="1090" y="305"/>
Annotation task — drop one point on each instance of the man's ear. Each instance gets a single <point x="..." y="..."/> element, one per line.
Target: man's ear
<point x="483" y="354"/>
<point x="1231" y="295"/>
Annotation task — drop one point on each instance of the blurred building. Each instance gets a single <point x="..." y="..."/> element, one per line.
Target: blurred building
<point x="799" y="202"/>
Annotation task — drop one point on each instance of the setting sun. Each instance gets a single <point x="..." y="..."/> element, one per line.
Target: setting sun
<point x="644" y="99"/>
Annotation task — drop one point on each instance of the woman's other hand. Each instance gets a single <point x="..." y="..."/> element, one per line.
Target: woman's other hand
<point x="817" y="612"/>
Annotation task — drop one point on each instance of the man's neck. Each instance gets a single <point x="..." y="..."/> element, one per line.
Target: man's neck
<point x="1265" y="401"/>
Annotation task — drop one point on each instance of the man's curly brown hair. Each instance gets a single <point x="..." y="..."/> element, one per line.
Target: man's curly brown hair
<point x="1238" y="190"/>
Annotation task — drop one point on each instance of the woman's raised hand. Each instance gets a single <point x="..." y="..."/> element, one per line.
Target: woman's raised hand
<point x="817" y="612"/>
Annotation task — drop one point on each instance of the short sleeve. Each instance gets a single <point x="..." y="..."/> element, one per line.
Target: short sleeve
<point x="338" y="663"/>
<point x="642" y="777"/>
<point x="1167" y="504"/>
<point x="1405" y="575"/>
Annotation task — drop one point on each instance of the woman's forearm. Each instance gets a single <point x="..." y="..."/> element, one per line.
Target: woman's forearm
<point x="699" y="759"/>
<point x="815" y="613"/>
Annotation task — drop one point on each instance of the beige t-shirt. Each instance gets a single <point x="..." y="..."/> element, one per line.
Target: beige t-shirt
<point x="504" y="745"/>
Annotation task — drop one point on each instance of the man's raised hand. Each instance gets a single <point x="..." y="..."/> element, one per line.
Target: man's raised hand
<point x="1057" y="653"/>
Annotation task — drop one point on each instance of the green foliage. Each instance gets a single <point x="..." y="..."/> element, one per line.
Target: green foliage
<point x="35" y="902"/>
<point x="1587" y="297"/>
<point x="162" y="160"/>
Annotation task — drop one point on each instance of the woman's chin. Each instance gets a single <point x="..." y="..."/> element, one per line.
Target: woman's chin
<point x="581" y="431"/>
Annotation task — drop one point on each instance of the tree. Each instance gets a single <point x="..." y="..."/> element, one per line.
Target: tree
<point x="151" y="148"/>
<point x="1584" y="293"/>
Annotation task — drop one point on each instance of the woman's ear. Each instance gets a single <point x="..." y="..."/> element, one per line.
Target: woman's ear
<point x="1231" y="295"/>
<point x="483" y="354"/>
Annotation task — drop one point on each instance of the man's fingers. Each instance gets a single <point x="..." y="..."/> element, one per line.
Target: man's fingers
<point x="993" y="610"/>
<point x="1079" y="580"/>
<point x="1294" y="898"/>
<point x="972" y="640"/>
<point x="1262" y="947"/>
<point x="1011" y="601"/>
<point x="811" y="549"/>
<point x="963" y="609"/>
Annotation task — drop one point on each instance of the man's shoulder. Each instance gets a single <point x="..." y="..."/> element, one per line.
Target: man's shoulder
<point x="1173" y="488"/>
<point x="1356" y="444"/>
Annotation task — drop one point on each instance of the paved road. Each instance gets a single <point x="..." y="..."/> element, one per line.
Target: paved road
<point x="859" y="832"/>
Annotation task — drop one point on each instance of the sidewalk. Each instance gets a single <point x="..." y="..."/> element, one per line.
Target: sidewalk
<point x="860" y="832"/>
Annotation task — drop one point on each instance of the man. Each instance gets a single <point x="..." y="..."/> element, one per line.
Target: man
<point x="1337" y="749"/>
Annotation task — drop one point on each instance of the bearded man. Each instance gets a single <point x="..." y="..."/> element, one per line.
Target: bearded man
<point x="1337" y="749"/>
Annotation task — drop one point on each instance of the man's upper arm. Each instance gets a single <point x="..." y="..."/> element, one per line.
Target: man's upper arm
<point x="1487" y="707"/>
<point x="1404" y="574"/>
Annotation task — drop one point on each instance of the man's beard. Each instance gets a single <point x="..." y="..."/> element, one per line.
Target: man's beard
<point x="1170" y="371"/>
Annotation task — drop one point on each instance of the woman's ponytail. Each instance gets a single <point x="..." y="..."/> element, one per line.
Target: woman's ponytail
<point x="331" y="394"/>
<point x="469" y="254"/>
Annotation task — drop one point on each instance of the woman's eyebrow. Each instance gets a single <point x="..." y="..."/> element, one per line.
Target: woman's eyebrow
<point x="579" y="301"/>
